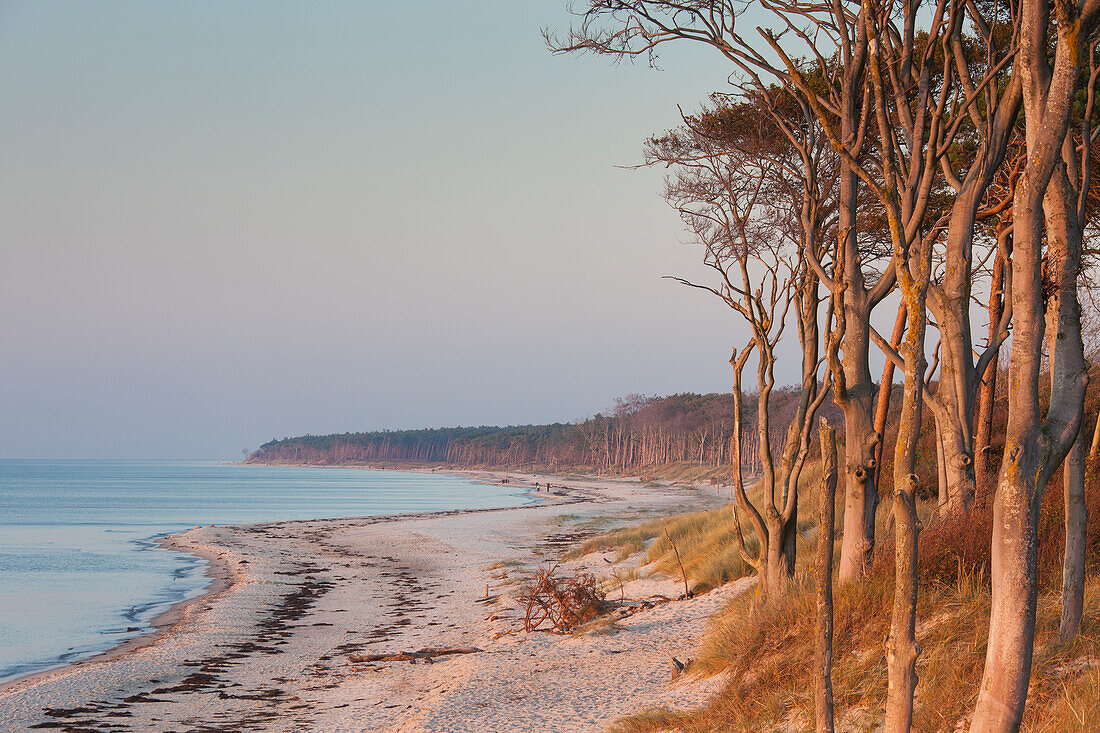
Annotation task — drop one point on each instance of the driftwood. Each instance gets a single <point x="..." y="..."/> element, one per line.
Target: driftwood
<point x="426" y="653"/>
<point x="678" y="667"/>
<point x="563" y="603"/>
<point x="629" y="606"/>
<point x="683" y="573"/>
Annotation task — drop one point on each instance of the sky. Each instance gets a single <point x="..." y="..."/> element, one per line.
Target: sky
<point x="224" y="223"/>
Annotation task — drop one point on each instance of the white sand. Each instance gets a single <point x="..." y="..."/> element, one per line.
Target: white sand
<point x="270" y="652"/>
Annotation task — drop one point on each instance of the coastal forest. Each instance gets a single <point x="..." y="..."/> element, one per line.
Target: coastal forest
<point x="639" y="434"/>
<point x="896" y="180"/>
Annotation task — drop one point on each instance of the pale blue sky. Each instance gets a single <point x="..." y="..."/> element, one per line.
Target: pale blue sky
<point x="227" y="222"/>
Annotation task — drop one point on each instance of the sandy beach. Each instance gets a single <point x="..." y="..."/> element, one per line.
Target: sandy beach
<point x="294" y="604"/>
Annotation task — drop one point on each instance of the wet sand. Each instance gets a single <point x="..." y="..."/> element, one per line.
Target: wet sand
<point x="272" y="644"/>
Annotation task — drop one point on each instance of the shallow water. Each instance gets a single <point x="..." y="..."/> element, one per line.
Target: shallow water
<point x="79" y="572"/>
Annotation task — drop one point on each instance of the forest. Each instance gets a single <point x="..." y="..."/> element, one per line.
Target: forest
<point x="638" y="433"/>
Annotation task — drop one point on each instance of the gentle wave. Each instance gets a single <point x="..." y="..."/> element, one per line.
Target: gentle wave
<point x="80" y="570"/>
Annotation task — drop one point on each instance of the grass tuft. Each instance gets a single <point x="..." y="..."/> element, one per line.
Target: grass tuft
<point x="706" y="541"/>
<point x="766" y="646"/>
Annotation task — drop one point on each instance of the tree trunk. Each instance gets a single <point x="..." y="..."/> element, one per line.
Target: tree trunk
<point x="958" y="466"/>
<point x="1067" y="365"/>
<point x="855" y="396"/>
<point x="949" y="304"/>
<point x="1094" y="447"/>
<point x="941" y="469"/>
<point x="1073" y="566"/>
<point x="885" y="387"/>
<point x="901" y="646"/>
<point x="776" y="569"/>
<point x="902" y="649"/>
<point x="1007" y="670"/>
<point x="860" y="447"/>
<point x="789" y="546"/>
<point x="826" y="531"/>
<point x="1033" y="450"/>
<point x="983" y="460"/>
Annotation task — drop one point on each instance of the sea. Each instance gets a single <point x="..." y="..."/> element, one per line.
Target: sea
<point x="80" y="571"/>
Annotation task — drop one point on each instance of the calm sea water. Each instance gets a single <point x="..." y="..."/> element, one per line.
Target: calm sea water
<point x="79" y="571"/>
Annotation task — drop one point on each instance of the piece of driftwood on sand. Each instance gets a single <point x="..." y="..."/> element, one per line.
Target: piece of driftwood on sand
<point x="425" y="653"/>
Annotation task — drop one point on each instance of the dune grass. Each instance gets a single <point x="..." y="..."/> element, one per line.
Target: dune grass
<point x="705" y="540"/>
<point x="766" y="647"/>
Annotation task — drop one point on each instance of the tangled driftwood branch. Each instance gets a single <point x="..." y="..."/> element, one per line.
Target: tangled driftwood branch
<point x="561" y="602"/>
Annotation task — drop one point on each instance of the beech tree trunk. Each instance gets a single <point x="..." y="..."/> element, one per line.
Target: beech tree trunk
<point x="856" y="394"/>
<point x="885" y="388"/>
<point x="826" y="531"/>
<point x="1000" y="705"/>
<point x="1068" y="364"/>
<point x="777" y="569"/>
<point x="957" y="441"/>
<point x="983" y="460"/>
<point x="949" y="303"/>
<point x="1094" y="447"/>
<point x="1077" y="517"/>
<point x="941" y="468"/>
<point x="1033" y="446"/>
<point x="912" y="262"/>
<point x="860" y="448"/>
<point x="949" y="299"/>
<point x="902" y="649"/>
<point x="955" y="392"/>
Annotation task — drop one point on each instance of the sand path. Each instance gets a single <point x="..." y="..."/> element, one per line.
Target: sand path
<point x="272" y="651"/>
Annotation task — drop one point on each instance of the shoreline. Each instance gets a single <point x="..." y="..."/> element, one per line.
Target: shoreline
<point x="222" y="577"/>
<point x="273" y="645"/>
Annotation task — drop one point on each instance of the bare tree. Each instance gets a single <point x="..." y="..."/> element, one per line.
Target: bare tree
<point x="977" y="62"/>
<point x="1066" y="206"/>
<point x="1000" y="296"/>
<point x="728" y="171"/>
<point x="885" y="387"/>
<point x="627" y="28"/>
<point x="905" y="197"/>
<point x="997" y="213"/>
<point x="918" y="112"/>
<point x="1036" y="444"/>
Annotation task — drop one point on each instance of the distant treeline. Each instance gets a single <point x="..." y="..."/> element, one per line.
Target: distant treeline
<point x="638" y="432"/>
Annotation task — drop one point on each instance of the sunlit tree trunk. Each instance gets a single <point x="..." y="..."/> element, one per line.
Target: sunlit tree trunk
<point x="856" y="400"/>
<point x="885" y="388"/>
<point x="1034" y="447"/>
<point x="983" y="460"/>
<point x="826" y="530"/>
